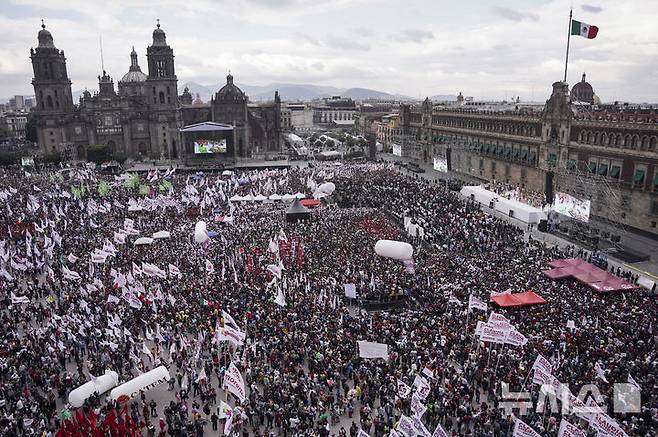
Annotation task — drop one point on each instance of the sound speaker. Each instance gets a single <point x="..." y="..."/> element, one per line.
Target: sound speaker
<point x="449" y="158"/>
<point x="542" y="226"/>
<point x="548" y="189"/>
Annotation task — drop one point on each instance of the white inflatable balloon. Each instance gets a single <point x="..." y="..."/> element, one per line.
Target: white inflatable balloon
<point x="394" y="249"/>
<point x="327" y="188"/>
<point x="143" y="382"/>
<point x="98" y="386"/>
<point x="200" y="232"/>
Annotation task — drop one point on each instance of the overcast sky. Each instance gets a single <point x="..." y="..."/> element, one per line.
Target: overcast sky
<point x="489" y="49"/>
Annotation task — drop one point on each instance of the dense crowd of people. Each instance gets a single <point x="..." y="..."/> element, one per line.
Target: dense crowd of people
<point x="79" y="298"/>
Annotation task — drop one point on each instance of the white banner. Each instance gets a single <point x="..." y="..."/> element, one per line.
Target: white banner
<point x="234" y="383"/>
<point x="543" y="364"/>
<point x="494" y="334"/>
<point x="521" y="429"/>
<point x="368" y="349"/>
<point x="474" y="302"/>
<point x="417" y="407"/>
<point x="515" y="338"/>
<point x="406" y="426"/>
<point x="569" y="430"/>
<point x="350" y="290"/>
<point x="440" y="432"/>
<point x="422" y="387"/>
<point x="606" y="426"/>
<point x="403" y="390"/>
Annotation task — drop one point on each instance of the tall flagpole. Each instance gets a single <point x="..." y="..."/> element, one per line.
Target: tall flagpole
<point x="566" y="61"/>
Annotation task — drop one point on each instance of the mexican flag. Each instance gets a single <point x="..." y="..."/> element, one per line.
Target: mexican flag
<point x="583" y="29"/>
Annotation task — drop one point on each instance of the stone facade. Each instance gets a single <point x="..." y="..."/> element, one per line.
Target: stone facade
<point x="609" y="158"/>
<point x="143" y="118"/>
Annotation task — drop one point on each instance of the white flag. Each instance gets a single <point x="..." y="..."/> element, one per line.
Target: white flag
<point x="280" y="298"/>
<point x="225" y="410"/>
<point x="417" y="407"/>
<point x="474" y="302"/>
<point x="234" y="383"/>
<point x="202" y="375"/>
<point x="112" y="299"/>
<point x="632" y="381"/>
<point x="440" y="432"/>
<point x="403" y="390"/>
<point x="600" y="373"/>
<point x="210" y="269"/>
<point x="521" y="429"/>
<point x="72" y="258"/>
<point x="569" y="430"/>
<point x="173" y="271"/>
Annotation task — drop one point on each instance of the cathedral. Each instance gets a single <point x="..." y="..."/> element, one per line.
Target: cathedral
<point x="143" y="116"/>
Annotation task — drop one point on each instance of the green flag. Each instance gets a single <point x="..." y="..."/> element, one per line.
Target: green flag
<point x="144" y="190"/>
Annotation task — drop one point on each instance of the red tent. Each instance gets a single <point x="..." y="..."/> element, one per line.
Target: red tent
<point x="310" y="203"/>
<point x="519" y="299"/>
<point x="530" y="298"/>
<point x="556" y="273"/>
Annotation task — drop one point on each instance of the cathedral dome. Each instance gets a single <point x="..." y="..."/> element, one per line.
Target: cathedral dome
<point x="134" y="74"/>
<point x="230" y="91"/>
<point x="582" y="92"/>
<point x="45" y="38"/>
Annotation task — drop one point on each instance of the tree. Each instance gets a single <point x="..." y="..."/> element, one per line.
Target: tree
<point x="330" y="143"/>
<point x="99" y="153"/>
<point x="31" y="129"/>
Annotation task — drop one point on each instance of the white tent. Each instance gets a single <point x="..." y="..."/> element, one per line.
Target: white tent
<point x="275" y="197"/>
<point x="299" y="195"/>
<point x="227" y="173"/>
<point x="143" y="241"/>
<point x="260" y="198"/>
<point x="248" y="198"/>
<point x="235" y="198"/>
<point x="161" y="234"/>
<point x="287" y="197"/>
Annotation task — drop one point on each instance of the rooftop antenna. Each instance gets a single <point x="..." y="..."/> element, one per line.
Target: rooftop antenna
<point x="100" y="41"/>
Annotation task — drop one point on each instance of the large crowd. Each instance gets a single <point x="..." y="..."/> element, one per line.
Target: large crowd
<point x="79" y="298"/>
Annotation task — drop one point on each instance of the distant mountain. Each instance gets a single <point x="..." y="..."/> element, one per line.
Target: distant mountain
<point x="291" y="92"/>
<point x="444" y="98"/>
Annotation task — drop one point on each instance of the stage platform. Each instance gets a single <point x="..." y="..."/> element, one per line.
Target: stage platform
<point x="510" y="207"/>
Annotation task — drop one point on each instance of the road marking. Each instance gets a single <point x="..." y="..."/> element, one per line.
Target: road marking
<point x="652" y="276"/>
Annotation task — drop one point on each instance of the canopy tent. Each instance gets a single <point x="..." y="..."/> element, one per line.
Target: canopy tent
<point x="310" y="203"/>
<point x="518" y="299"/>
<point x="143" y="241"/>
<point x="161" y="234"/>
<point x="287" y="197"/>
<point x="275" y="197"/>
<point x="235" y="198"/>
<point x="588" y="274"/>
<point x="297" y="212"/>
<point x="207" y="126"/>
<point x="299" y="195"/>
<point x="259" y="198"/>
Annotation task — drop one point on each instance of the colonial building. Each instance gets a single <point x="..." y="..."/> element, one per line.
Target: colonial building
<point x="143" y="116"/>
<point x="607" y="157"/>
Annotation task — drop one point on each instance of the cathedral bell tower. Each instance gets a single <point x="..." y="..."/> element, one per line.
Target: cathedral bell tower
<point x="52" y="89"/>
<point x="52" y="86"/>
<point x="162" y="79"/>
<point x="161" y="90"/>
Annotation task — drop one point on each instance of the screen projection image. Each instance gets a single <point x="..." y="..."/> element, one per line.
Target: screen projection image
<point x="397" y="150"/>
<point x="572" y="207"/>
<point x="209" y="146"/>
<point x="440" y="164"/>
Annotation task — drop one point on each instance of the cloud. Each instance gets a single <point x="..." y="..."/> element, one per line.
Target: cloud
<point x="514" y="15"/>
<point x="416" y="35"/>
<point x="591" y="8"/>
<point x="363" y="31"/>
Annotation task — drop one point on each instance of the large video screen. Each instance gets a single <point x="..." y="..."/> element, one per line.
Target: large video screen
<point x="209" y="146"/>
<point x="440" y="164"/>
<point x="572" y="207"/>
<point x="397" y="150"/>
